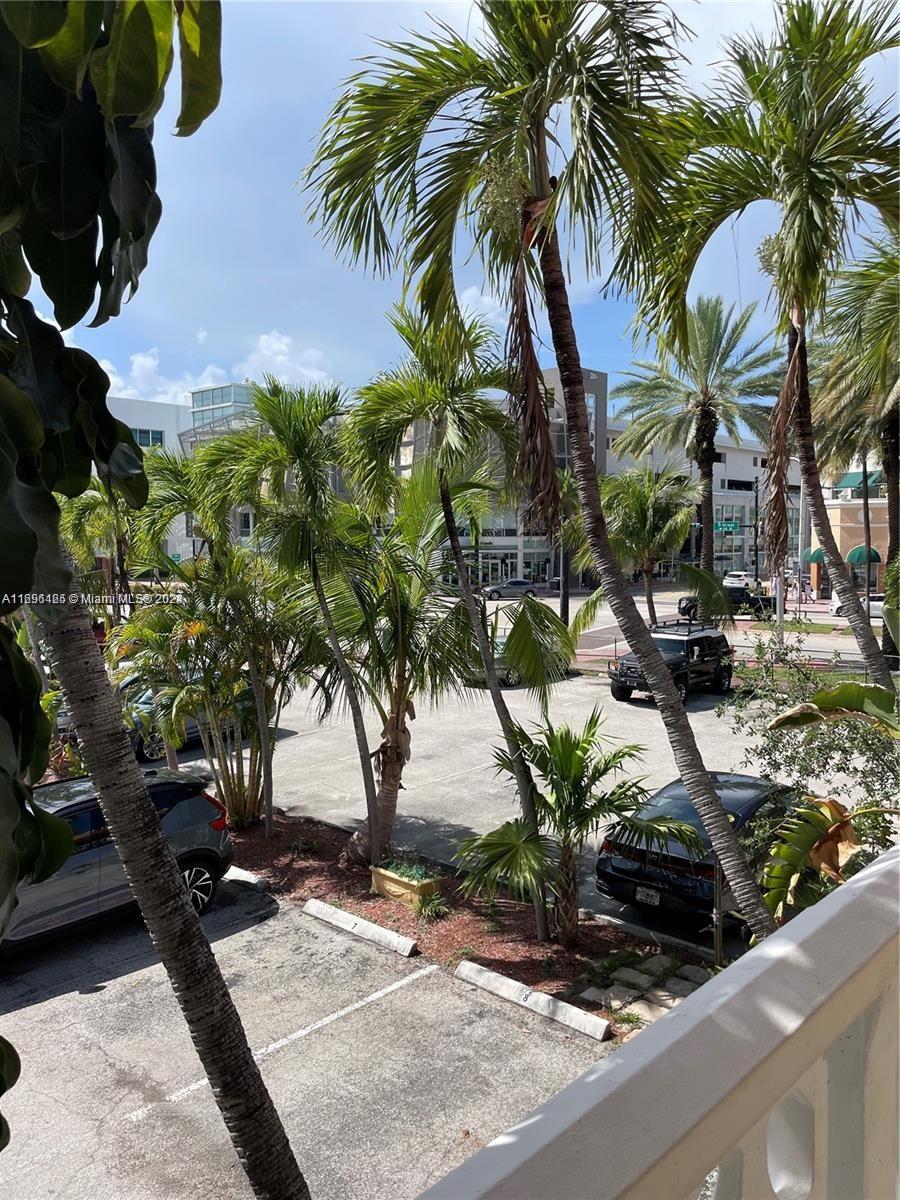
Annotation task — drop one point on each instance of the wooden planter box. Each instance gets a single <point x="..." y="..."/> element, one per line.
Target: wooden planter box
<point x="395" y="887"/>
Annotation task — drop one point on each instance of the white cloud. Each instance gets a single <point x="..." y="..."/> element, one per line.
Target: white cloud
<point x="276" y="353"/>
<point x="201" y="336"/>
<point x="475" y="302"/>
<point x="144" y="381"/>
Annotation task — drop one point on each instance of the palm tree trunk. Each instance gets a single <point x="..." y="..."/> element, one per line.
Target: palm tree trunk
<point x="687" y="756"/>
<point x="567" y="896"/>
<point x="262" y="724"/>
<point x="705" y="450"/>
<point x="890" y="462"/>
<point x="392" y="760"/>
<point x="359" y="725"/>
<point x="564" y="586"/>
<point x="34" y="637"/>
<point x="837" y="568"/>
<point x="215" y="1027"/>
<point x="524" y="783"/>
<point x="648" y="594"/>
<point x="867" y="533"/>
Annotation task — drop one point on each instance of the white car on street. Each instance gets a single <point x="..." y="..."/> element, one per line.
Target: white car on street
<point x="740" y="579"/>
<point x="876" y="605"/>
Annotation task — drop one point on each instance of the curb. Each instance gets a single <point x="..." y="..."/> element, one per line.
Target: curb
<point x="651" y="935"/>
<point x="362" y="928"/>
<point x="538" y="1002"/>
<point x="239" y="875"/>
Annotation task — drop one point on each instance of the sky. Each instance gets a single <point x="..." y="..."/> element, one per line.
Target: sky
<point x="238" y="282"/>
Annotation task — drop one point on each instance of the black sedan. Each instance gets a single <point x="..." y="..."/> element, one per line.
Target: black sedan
<point x="671" y="879"/>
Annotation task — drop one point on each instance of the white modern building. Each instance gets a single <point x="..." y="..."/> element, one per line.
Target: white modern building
<point x="739" y="499"/>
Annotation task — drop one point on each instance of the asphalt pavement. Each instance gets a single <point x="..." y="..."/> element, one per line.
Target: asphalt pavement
<point x="387" y="1072"/>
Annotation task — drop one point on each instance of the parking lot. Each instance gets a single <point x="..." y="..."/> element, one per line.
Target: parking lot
<point x="387" y="1072"/>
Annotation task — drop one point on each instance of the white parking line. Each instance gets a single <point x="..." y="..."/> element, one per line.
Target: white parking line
<point x="272" y="1047"/>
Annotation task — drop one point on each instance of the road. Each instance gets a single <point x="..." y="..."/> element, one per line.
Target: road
<point x="387" y="1072"/>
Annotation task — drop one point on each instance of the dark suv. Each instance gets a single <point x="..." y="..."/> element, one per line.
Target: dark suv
<point x="741" y="600"/>
<point x="697" y="655"/>
<point x="92" y="880"/>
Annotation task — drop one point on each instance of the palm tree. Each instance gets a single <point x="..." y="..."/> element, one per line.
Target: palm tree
<point x="407" y="634"/>
<point x="441" y="386"/>
<point x="579" y="797"/>
<point x="286" y="463"/>
<point x="180" y="487"/>
<point x="98" y="521"/>
<point x="157" y="885"/>
<point x="692" y="392"/>
<point x="858" y="402"/>
<point x="441" y="131"/>
<point x="651" y="511"/>
<point x="792" y="123"/>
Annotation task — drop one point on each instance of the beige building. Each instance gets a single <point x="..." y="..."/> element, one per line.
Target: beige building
<point x="844" y="501"/>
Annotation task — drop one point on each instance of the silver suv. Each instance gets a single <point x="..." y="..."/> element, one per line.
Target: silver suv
<point x="93" y="881"/>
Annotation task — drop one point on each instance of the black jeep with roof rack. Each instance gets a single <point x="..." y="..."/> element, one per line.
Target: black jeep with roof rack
<point x="698" y="655"/>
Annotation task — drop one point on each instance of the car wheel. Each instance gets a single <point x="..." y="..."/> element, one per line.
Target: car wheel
<point x="619" y="692"/>
<point x="722" y="680"/>
<point x="511" y="677"/>
<point x="681" y="687"/>
<point x="839" y="611"/>
<point x="530" y="592"/>
<point x="201" y="883"/>
<point x="151" y="747"/>
<point x="493" y="595"/>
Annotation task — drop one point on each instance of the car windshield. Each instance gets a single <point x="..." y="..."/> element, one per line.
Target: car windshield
<point x="673" y="802"/>
<point x="669" y="645"/>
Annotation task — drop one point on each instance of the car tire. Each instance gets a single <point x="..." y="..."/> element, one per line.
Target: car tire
<point x="150" y="747"/>
<point x="839" y="611"/>
<point x="530" y="592"/>
<point x="683" y="689"/>
<point x="201" y="881"/>
<point x="721" y="682"/>
<point x="619" y="692"/>
<point x="493" y="595"/>
<point x="511" y="677"/>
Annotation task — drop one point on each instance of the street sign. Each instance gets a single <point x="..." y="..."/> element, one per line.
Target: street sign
<point x="176" y="558"/>
<point x="726" y="526"/>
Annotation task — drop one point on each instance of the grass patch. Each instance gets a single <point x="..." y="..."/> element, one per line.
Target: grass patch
<point x="600" y="973"/>
<point x="458" y="955"/>
<point x="416" y="872"/>
<point x="433" y="907"/>
<point x="626" y="1018"/>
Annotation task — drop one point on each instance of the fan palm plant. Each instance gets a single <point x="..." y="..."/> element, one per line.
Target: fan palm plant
<point x="711" y="383"/>
<point x="583" y="790"/>
<point x="792" y="123"/>
<point x="441" y="131"/>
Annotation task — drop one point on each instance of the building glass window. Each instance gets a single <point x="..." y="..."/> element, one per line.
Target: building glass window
<point x="148" y="437"/>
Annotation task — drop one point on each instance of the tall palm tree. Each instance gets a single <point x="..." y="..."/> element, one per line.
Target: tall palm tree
<point x="441" y="131"/>
<point x="792" y="123"/>
<point x="695" y="390"/>
<point x="408" y="635"/>
<point x="286" y="462"/>
<point x="442" y="386"/>
<point x="157" y="885"/>
<point x="858" y="401"/>
<point x="651" y="511"/>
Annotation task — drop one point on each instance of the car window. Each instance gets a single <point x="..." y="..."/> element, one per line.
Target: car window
<point x="83" y="829"/>
<point x="669" y="645"/>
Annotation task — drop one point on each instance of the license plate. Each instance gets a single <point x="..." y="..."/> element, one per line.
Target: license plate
<point x="646" y="895"/>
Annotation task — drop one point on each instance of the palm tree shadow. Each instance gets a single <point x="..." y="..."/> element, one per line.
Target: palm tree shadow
<point x="83" y="961"/>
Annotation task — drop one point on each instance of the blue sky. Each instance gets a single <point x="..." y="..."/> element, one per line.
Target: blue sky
<point x="237" y="282"/>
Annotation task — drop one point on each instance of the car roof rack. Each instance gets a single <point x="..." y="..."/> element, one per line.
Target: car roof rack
<point x="683" y="625"/>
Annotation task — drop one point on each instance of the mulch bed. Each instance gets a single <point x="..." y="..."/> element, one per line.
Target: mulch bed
<point x="303" y="860"/>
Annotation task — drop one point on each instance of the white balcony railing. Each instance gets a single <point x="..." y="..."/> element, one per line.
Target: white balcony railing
<point x="782" y="1072"/>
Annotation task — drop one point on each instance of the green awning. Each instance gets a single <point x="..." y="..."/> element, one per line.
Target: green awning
<point x="857" y="555"/>
<point x="853" y="479"/>
<point x="814" y="556"/>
